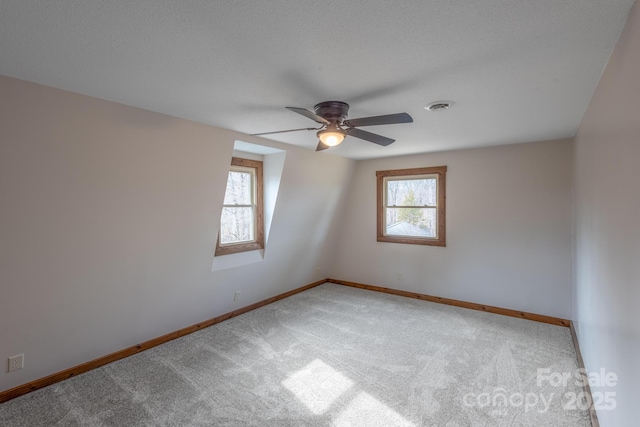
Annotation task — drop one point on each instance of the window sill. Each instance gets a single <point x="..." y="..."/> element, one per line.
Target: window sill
<point x="238" y="248"/>
<point x="412" y="241"/>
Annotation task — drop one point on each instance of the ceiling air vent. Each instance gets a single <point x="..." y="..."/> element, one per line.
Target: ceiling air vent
<point x="439" y="105"/>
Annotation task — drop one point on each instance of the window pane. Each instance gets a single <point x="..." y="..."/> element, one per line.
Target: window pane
<point x="238" y="189"/>
<point x="411" y="192"/>
<point x="419" y="222"/>
<point x="237" y="225"/>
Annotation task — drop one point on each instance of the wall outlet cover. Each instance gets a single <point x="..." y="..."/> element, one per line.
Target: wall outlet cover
<point x="16" y="362"/>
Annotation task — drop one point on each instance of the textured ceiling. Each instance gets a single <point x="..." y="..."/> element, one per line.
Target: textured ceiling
<point x="518" y="70"/>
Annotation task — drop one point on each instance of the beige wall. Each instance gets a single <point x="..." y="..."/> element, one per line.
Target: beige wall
<point x="508" y="230"/>
<point x="607" y="227"/>
<point x="108" y="221"/>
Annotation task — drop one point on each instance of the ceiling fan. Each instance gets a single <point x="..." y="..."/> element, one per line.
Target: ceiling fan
<point x="332" y="115"/>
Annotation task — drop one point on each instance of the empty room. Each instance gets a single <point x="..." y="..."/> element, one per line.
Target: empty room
<point x="319" y="213"/>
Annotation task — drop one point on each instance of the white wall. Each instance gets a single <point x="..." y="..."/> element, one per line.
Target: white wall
<point x="508" y="230"/>
<point x="607" y="226"/>
<point x="108" y="221"/>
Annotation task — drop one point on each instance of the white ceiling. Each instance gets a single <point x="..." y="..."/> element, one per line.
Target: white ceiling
<point x="518" y="70"/>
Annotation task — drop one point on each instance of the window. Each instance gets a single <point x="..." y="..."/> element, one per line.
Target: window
<point x="411" y="206"/>
<point x="241" y="223"/>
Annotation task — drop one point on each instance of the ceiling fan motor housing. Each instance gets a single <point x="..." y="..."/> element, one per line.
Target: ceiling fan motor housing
<point x="332" y="111"/>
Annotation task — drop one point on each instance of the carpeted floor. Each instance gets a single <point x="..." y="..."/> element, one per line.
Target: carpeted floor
<point x="330" y="356"/>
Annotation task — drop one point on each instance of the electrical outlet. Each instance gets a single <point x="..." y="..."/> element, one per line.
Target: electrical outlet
<point x="318" y="272"/>
<point x="16" y="362"/>
<point x="399" y="276"/>
<point x="236" y="296"/>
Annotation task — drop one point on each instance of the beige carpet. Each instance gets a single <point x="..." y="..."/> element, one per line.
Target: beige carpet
<point x="330" y="356"/>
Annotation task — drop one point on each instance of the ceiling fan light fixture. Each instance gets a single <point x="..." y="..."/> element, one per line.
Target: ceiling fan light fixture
<point x="330" y="138"/>
<point x="332" y="135"/>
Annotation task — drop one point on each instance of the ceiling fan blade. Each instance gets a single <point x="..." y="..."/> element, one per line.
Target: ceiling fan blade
<point x="283" y="131"/>
<point x="321" y="146"/>
<point x="389" y="119"/>
<point x="309" y="115"/>
<point x="371" y="137"/>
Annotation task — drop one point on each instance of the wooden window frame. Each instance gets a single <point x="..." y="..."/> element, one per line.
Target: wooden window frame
<point x="258" y="243"/>
<point x="440" y="239"/>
